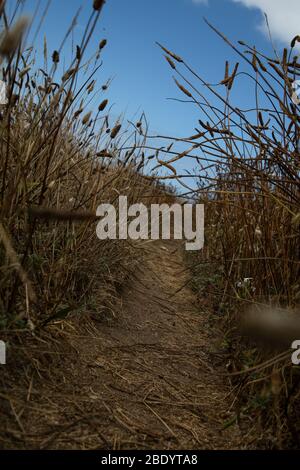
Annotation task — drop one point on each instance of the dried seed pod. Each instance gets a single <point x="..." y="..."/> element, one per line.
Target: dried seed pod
<point x="174" y="56"/>
<point x="98" y="4"/>
<point x="254" y="62"/>
<point x="104" y="154"/>
<point x="77" y="113"/>
<point x="115" y="131"/>
<point x="91" y="86"/>
<point x="296" y="39"/>
<point x="233" y="75"/>
<point x="55" y="57"/>
<point x="183" y="89"/>
<point x="170" y="61"/>
<point x="86" y="118"/>
<point x="103" y="105"/>
<point x="227" y="79"/>
<point x="102" y="44"/>
<point x="13" y="37"/>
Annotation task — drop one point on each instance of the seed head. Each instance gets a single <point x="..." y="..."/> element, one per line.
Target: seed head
<point x="55" y="57"/>
<point x="77" y="113"/>
<point x="183" y="89"/>
<point x="115" y="131"/>
<point x="98" y="4"/>
<point x="103" y="105"/>
<point x="170" y="62"/>
<point x="102" y="44"/>
<point x="13" y="37"/>
<point x="86" y="118"/>
<point x="170" y="53"/>
<point x="296" y="39"/>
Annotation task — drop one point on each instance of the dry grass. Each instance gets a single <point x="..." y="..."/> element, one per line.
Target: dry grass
<point x="60" y="160"/>
<point x="247" y="167"/>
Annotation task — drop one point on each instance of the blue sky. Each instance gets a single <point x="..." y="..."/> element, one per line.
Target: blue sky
<point x="142" y="78"/>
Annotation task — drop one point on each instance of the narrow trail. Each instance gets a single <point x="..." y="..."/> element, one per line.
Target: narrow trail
<point x="146" y="380"/>
<point x="157" y="381"/>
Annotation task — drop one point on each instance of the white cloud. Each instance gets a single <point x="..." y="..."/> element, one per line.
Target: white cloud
<point x="283" y="17"/>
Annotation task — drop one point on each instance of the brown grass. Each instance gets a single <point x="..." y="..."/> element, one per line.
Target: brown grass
<point x="56" y="168"/>
<point x="247" y="171"/>
<point x="60" y="159"/>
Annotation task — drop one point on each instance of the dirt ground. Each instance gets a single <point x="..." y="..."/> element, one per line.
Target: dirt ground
<point x="148" y="378"/>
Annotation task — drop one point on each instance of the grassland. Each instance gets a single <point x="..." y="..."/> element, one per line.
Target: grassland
<point x="61" y="158"/>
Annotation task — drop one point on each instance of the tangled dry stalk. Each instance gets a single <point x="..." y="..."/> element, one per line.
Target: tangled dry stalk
<point x="247" y="172"/>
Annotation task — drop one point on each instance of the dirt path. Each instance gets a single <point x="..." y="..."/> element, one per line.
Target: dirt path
<point x="145" y="380"/>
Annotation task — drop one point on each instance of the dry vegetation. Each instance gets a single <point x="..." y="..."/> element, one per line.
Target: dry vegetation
<point x="248" y="166"/>
<point x="60" y="160"/>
